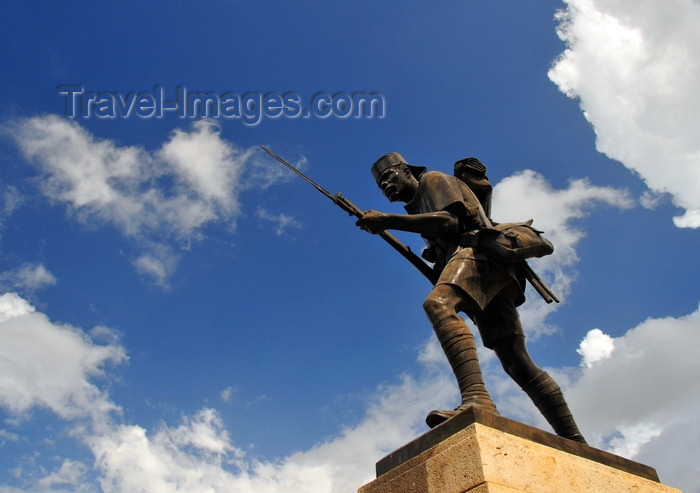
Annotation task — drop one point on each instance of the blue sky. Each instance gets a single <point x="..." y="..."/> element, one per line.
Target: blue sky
<point x="179" y="313"/>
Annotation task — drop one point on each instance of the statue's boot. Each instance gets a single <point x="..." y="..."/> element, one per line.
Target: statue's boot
<point x="458" y="343"/>
<point x="549" y="399"/>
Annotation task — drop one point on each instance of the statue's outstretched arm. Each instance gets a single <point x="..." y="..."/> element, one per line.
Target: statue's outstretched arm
<point x="430" y="223"/>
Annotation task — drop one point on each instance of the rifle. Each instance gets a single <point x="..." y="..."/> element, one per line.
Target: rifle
<point x="537" y="283"/>
<point x="353" y="210"/>
<point x="404" y="250"/>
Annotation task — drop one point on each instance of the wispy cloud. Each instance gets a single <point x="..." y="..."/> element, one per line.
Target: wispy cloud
<point x="281" y="221"/>
<point x="633" y="65"/>
<point x="227" y="394"/>
<point x="26" y="278"/>
<point x="10" y="200"/>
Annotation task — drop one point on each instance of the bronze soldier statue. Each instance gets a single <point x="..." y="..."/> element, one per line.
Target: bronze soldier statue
<point x="448" y="215"/>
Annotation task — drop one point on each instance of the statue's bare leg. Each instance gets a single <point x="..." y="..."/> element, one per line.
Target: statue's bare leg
<point x="539" y="386"/>
<point x="458" y="343"/>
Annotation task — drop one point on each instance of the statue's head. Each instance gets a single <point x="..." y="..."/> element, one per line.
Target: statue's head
<point x="397" y="179"/>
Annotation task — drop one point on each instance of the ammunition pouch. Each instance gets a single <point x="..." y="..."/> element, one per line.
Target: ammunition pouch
<point x="513" y="242"/>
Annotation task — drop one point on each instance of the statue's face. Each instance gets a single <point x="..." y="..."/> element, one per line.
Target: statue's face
<point x="397" y="184"/>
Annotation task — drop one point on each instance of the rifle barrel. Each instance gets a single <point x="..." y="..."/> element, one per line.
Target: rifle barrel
<point x="316" y="185"/>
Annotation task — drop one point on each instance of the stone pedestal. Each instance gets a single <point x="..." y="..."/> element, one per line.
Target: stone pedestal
<point x="479" y="452"/>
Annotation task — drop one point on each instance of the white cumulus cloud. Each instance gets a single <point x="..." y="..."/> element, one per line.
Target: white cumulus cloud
<point x="633" y="65"/>
<point x="43" y="364"/>
<point x="161" y="199"/>
<point x="198" y="455"/>
<point x="50" y="365"/>
<point x="643" y="400"/>
<point x="596" y="346"/>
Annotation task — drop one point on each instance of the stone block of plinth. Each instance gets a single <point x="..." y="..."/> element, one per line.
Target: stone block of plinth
<point x="479" y="452"/>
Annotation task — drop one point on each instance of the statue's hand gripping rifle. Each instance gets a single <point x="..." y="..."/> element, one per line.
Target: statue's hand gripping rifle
<point x="352" y="209"/>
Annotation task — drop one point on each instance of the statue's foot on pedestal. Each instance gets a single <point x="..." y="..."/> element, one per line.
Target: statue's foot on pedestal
<point x="577" y="437"/>
<point x="437" y="417"/>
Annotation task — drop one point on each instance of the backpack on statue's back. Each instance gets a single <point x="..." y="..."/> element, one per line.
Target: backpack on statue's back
<point x="509" y="242"/>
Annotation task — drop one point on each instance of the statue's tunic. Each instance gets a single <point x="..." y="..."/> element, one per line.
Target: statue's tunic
<point x="495" y="288"/>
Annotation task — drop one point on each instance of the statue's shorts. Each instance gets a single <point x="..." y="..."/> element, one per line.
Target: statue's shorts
<point x="491" y="294"/>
